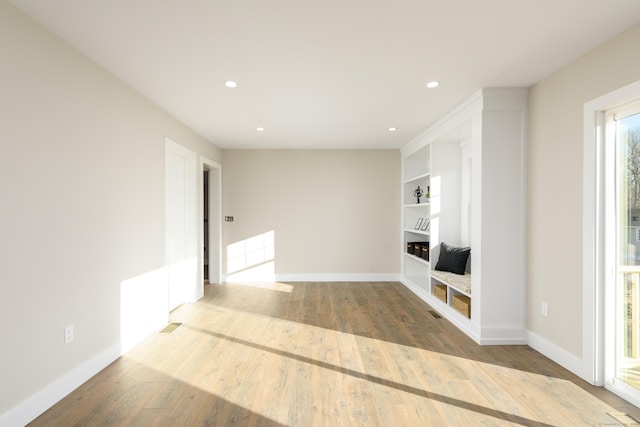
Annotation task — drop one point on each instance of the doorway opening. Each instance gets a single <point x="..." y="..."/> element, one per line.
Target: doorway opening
<point x="210" y="223"/>
<point x="205" y="236"/>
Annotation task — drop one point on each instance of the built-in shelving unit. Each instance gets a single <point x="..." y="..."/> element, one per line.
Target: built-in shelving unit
<point x="472" y="163"/>
<point x="416" y="173"/>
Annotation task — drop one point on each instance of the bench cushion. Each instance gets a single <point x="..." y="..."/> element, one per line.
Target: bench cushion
<point x="458" y="281"/>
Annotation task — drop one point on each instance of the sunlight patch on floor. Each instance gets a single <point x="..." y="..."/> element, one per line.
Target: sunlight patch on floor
<point x="275" y="354"/>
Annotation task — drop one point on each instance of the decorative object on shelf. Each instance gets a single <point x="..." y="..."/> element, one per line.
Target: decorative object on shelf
<point x="425" y="225"/>
<point x="418" y="192"/>
<point x="425" y="251"/>
<point x="428" y="195"/>
<point x="419" y="223"/>
<point x="418" y="249"/>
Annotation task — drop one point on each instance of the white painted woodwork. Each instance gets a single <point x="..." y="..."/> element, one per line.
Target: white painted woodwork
<point x="476" y="156"/>
<point x="181" y="227"/>
<point x="215" y="225"/>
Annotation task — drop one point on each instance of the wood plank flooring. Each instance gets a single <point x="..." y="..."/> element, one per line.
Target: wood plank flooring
<point x="328" y="354"/>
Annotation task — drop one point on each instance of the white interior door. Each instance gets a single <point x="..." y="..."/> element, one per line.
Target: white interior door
<point x="180" y="223"/>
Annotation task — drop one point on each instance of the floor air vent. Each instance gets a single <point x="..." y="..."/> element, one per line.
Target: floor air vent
<point x="624" y="419"/>
<point x="170" y="328"/>
<point x="435" y="314"/>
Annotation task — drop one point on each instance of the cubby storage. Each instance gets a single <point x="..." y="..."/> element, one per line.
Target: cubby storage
<point x="471" y="164"/>
<point x="440" y="291"/>
<point x="455" y="288"/>
<point x="461" y="303"/>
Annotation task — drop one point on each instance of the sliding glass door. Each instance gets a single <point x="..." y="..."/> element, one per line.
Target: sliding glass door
<point x="623" y="292"/>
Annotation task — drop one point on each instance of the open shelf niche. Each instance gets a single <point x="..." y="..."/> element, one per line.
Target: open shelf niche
<point x="472" y="162"/>
<point x="417" y="174"/>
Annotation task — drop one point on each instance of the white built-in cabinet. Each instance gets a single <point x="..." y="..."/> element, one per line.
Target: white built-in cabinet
<point x="472" y="162"/>
<point x="415" y="212"/>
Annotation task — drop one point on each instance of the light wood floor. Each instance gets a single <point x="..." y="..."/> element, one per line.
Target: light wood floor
<point x="328" y="354"/>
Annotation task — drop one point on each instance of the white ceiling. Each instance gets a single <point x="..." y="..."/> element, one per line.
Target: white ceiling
<point x="330" y="73"/>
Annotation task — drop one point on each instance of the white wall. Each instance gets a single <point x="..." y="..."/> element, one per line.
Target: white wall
<point x="82" y="193"/>
<point x="554" y="185"/>
<point x="329" y="211"/>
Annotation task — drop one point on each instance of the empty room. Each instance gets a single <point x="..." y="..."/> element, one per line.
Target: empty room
<point x="299" y="213"/>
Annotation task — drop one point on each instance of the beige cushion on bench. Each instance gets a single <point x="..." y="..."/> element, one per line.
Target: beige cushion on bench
<point x="458" y="281"/>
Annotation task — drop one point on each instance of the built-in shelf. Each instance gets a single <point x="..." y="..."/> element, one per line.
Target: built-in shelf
<point x="414" y="231"/>
<point x="415" y="179"/>
<point x="477" y="149"/>
<point x="417" y="259"/>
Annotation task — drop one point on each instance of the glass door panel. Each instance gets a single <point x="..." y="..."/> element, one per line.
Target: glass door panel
<point x="627" y="288"/>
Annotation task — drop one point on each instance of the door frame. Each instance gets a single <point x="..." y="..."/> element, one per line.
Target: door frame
<point x="215" y="223"/>
<point x="596" y="268"/>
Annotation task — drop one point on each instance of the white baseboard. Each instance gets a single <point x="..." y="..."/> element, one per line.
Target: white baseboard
<point x="35" y="405"/>
<point x="326" y="277"/>
<point x="503" y="336"/>
<point x="338" y="277"/>
<point x="559" y="355"/>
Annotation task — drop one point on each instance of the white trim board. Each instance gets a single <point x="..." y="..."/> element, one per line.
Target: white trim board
<point x="332" y="277"/>
<point x="38" y="403"/>
<point x="556" y="353"/>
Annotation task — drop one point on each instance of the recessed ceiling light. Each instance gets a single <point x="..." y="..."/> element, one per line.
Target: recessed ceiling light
<point x="230" y="83"/>
<point x="392" y="129"/>
<point x="431" y="85"/>
<point x="260" y="129"/>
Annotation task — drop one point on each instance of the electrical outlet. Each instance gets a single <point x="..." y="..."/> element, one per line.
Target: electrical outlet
<point x="545" y="309"/>
<point x="68" y="334"/>
<point x="228" y="218"/>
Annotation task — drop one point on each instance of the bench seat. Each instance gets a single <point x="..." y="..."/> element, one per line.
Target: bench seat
<point x="457" y="281"/>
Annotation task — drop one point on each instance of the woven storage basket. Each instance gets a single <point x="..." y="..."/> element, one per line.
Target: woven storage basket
<point x="440" y="291"/>
<point x="462" y="303"/>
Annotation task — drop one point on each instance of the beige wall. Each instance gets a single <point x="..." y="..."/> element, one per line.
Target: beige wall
<point x="82" y="193"/>
<point x="554" y="199"/>
<point x="331" y="211"/>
